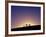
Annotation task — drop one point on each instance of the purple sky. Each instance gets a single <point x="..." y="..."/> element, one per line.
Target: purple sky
<point x="21" y="15"/>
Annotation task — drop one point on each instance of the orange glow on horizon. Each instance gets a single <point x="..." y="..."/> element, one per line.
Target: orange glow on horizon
<point x="24" y="22"/>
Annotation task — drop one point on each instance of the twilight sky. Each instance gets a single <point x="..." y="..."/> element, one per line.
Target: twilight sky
<point x="22" y="15"/>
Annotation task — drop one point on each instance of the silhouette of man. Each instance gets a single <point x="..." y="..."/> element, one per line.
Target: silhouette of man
<point x="26" y="25"/>
<point x="29" y="24"/>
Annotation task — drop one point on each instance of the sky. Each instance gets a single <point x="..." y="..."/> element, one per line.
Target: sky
<point x="22" y="15"/>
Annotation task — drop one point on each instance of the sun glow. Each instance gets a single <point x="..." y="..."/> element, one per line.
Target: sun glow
<point x="23" y="23"/>
<point x="31" y="24"/>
